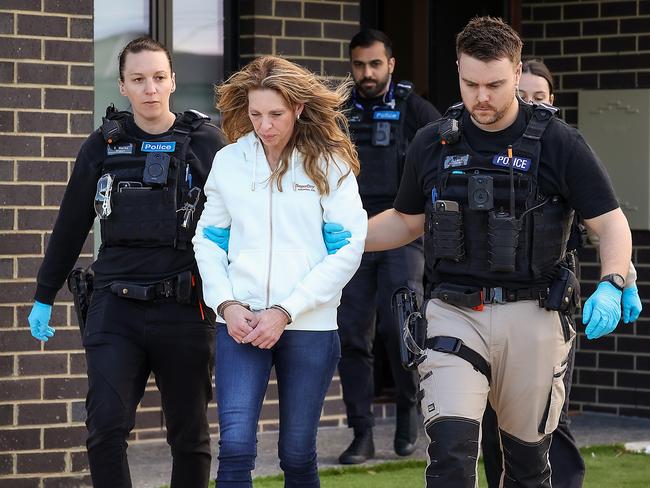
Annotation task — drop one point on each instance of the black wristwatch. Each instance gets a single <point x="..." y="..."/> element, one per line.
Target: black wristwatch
<point x="615" y="279"/>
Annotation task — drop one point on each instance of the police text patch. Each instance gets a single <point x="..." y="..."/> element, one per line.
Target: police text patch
<point x="162" y="146"/>
<point x="521" y="164"/>
<point x="456" y="161"/>
<point x="385" y="115"/>
<point x="115" y="149"/>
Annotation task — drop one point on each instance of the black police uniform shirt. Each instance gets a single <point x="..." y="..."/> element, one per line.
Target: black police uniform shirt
<point x="419" y="112"/>
<point x="568" y="168"/>
<point x="77" y="214"/>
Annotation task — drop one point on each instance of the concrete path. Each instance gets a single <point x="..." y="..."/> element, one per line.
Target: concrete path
<point x="151" y="463"/>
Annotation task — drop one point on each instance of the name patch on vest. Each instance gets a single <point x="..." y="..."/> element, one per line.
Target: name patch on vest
<point x="116" y="149"/>
<point x="163" y="146"/>
<point x="386" y="115"/>
<point x="456" y="161"/>
<point x="522" y="164"/>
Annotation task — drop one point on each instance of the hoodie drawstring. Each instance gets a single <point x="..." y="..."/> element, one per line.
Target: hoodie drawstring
<point x="293" y="167"/>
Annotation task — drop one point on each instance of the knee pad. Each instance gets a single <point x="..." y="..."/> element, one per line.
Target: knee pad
<point x="526" y="463"/>
<point x="452" y="452"/>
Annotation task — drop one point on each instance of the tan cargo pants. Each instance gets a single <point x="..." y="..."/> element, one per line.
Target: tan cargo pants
<point x="526" y="347"/>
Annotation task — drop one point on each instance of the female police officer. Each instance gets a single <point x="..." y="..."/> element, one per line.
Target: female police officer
<point x="142" y="174"/>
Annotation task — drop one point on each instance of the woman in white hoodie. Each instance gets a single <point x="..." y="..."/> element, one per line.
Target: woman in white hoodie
<point x="290" y="168"/>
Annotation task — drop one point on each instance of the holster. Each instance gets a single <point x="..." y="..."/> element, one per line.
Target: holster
<point x="563" y="292"/>
<point x="404" y="304"/>
<point x="80" y="284"/>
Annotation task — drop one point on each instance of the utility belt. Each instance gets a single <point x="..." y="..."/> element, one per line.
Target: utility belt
<point x="563" y="294"/>
<point x="179" y="287"/>
<point x="473" y="297"/>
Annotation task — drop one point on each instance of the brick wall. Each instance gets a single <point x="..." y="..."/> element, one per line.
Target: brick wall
<point x="314" y="34"/>
<point x="46" y="103"/>
<point x="601" y="45"/>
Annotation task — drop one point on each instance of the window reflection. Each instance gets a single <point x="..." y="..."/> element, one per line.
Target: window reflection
<point x="198" y="54"/>
<point x="115" y="23"/>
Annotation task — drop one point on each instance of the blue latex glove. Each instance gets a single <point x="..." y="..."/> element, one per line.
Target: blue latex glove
<point x="219" y="235"/>
<point x="602" y="311"/>
<point x="335" y="237"/>
<point x="631" y="304"/>
<point x="39" y="320"/>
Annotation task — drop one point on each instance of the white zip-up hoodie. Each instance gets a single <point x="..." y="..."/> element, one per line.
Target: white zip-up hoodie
<point x="276" y="253"/>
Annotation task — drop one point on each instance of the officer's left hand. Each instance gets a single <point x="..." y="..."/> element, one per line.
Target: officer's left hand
<point x="631" y="304"/>
<point x="219" y="235"/>
<point x="335" y="237"/>
<point x="39" y="321"/>
<point x="602" y="311"/>
<point x="270" y="327"/>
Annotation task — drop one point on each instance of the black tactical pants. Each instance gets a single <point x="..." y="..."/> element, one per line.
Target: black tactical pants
<point x="365" y="309"/>
<point x="125" y="341"/>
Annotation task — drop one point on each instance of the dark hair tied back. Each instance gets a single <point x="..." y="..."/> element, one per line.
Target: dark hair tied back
<point x="142" y="44"/>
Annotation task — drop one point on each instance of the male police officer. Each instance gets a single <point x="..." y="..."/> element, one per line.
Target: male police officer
<point x="493" y="184"/>
<point x="384" y="117"/>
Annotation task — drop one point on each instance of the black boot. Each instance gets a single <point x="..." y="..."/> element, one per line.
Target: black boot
<point x="406" y="431"/>
<point x="361" y="449"/>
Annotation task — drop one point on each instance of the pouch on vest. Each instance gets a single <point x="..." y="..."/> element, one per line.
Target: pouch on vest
<point x="446" y="228"/>
<point x="503" y="239"/>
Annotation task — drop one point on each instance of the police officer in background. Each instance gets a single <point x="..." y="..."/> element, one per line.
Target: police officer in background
<point x="384" y="116"/>
<point x="494" y="185"/>
<point x="142" y="174"/>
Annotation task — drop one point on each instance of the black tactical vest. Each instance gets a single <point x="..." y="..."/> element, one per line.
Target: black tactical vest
<point x="145" y="214"/>
<point x="481" y="241"/>
<point x="378" y="134"/>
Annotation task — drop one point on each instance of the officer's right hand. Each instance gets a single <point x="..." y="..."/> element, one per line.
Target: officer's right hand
<point x="39" y="320"/>
<point x="335" y="237"/>
<point x="240" y="321"/>
<point x="602" y="311"/>
<point x="219" y="235"/>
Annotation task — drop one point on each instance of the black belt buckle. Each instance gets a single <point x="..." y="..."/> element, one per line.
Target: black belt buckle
<point x="493" y="295"/>
<point x="167" y="288"/>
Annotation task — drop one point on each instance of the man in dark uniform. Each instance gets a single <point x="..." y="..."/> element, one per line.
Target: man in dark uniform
<point x="384" y="116"/>
<point x="494" y="185"/>
<point x="142" y="174"/>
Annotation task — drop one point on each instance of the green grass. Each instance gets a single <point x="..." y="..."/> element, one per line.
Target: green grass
<point x="607" y="467"/>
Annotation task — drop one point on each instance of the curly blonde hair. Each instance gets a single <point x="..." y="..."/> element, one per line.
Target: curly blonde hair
<point x="320" y="132"/>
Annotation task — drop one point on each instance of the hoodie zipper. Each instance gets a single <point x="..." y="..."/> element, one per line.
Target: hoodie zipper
<point x="268" y="277"/>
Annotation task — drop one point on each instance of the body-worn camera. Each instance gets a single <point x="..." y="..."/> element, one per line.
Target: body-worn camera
<point x="480" y="192"/>
<point x="156" y="167"/>
<point x="381" y="133"/>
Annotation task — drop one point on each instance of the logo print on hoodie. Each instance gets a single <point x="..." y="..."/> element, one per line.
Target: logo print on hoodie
<point x="307" y="187"/>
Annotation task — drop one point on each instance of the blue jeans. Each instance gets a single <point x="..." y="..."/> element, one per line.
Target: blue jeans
<point x="304" y="365"/>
